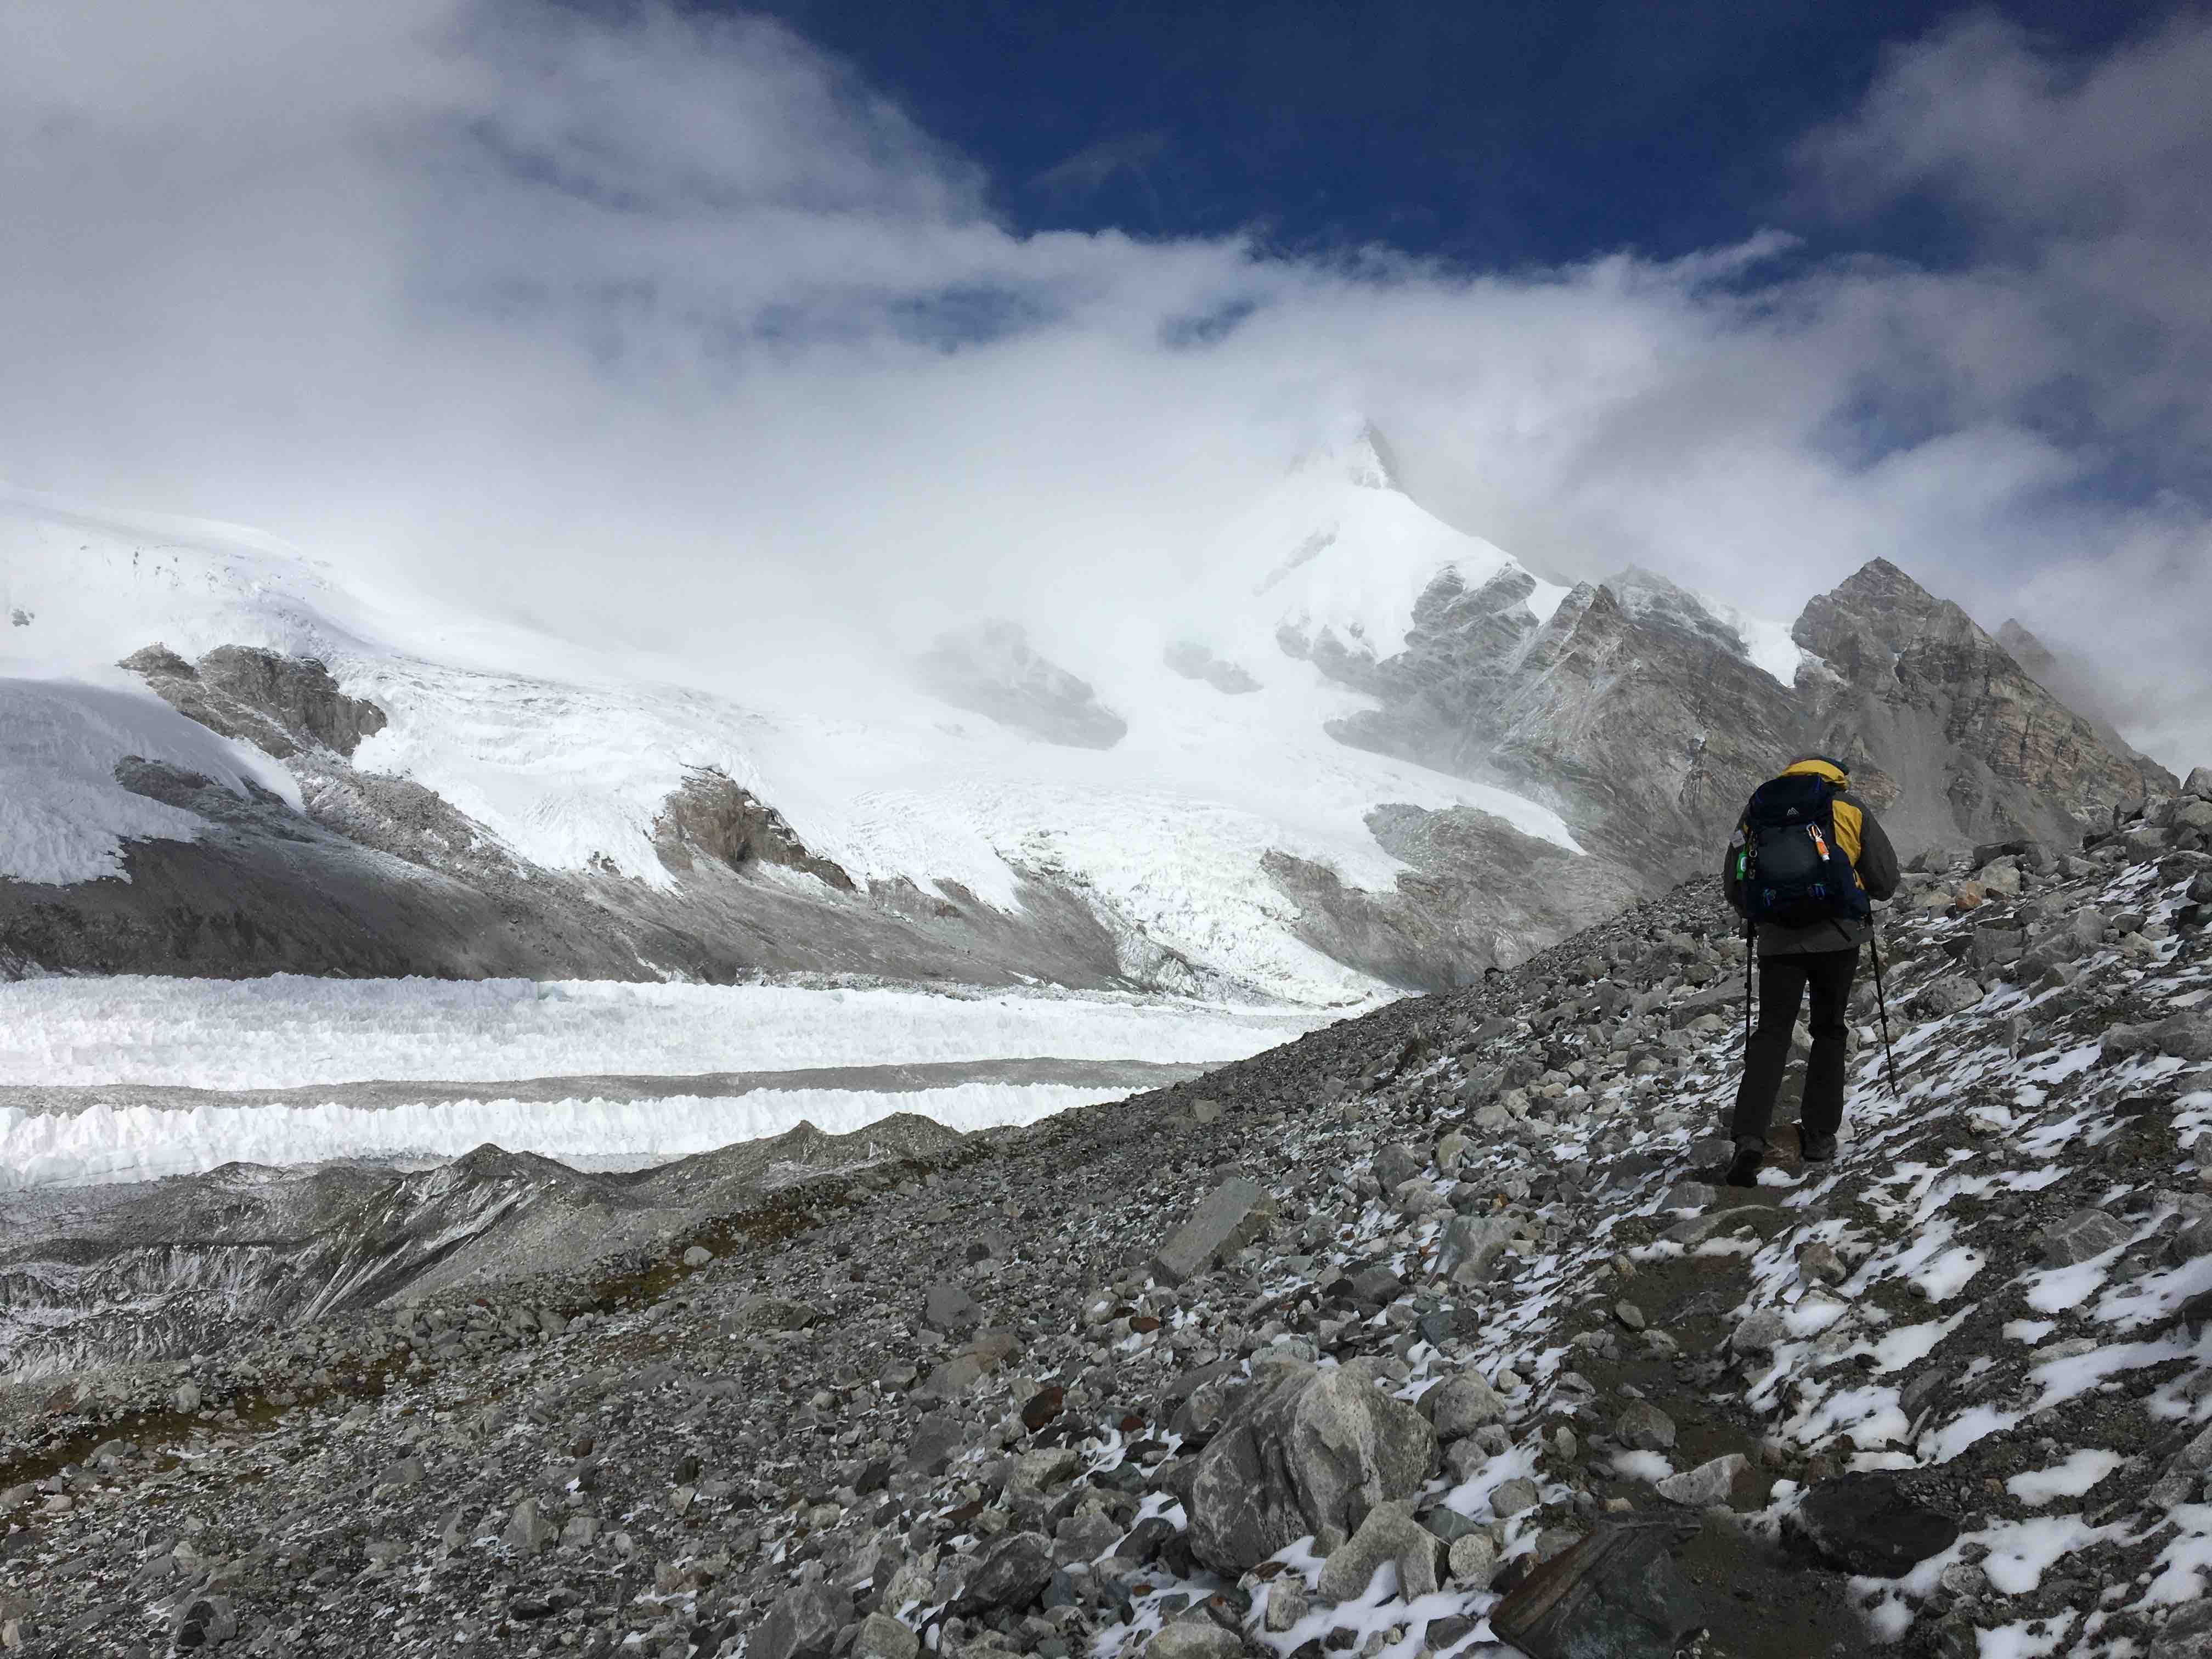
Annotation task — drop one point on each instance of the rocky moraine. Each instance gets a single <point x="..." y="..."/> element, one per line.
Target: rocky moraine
<point x="1431" y="1332"/>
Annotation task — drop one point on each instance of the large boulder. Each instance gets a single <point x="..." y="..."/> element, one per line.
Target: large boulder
<point x="1309" y="1455"/>
<point x="803" y="1624"/>
<point x="2185" y="1035"/>
<point x="1869" y="1525"/>
<point x="1013" y="1575"/>
<point x="1228" y="1219"/>
<point x="1615" y="1595"/>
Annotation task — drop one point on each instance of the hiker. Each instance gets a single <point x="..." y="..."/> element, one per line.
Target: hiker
<point x="1802" y="869"/>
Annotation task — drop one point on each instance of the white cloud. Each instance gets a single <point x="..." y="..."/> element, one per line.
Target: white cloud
<point x="673" y="327"/>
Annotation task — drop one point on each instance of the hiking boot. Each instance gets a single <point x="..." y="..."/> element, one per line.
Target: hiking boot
<point x="1817" y="1148"/>
<point x="1743" y="1168"/>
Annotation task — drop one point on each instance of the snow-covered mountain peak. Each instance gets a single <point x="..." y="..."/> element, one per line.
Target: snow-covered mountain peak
<point x="1353" y="452"/>
<point x="1339" y="551"/>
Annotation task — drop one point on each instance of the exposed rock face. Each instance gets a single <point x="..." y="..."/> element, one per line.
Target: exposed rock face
<point x="1634" y="711"/>
<point x="1979" y="750"/>
<point x="991" y="670"/>
<point x="1195" y="662"/>
<point x="384" y="876"/>
<point x="280" y="704"/>
<point x="2070" y="679"/>
<point x="385" y="879"/>
<point x="712" y="817"/>
<point x="1630" y="707"/>
<point x="1480" y="890"/>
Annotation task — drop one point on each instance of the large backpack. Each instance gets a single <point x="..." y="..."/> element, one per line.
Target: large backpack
<point x="1791" y="869"/>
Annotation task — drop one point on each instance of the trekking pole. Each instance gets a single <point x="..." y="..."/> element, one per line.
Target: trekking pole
<point x="1881" y="1003"/>
<point x="1750" y="930"/>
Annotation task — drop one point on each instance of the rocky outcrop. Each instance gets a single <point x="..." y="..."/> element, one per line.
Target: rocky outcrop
<point x="1196" y="662"/>
<point x="2071" y="679"/>
<point x="1639" y="715"/>
<point x="711" y="817"/>
<point x="1651" y="1410"/>
<point x="991" y="670"/>
<point x="1977" y="749"/>
<point x="1479" y="892"/>
<point x="281" y="705"/>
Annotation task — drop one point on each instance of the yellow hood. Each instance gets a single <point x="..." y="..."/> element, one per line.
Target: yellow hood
<point x="1816" y="768"/>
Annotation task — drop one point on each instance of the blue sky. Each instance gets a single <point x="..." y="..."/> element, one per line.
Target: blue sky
<point x="1491" y="134"/>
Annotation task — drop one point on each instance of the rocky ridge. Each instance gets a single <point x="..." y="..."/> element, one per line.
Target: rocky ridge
<point x="1638" y="713"/>
<point x="1428" y="1329"/>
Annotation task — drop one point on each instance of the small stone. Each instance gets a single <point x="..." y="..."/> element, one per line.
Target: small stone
<point x="1036" y="1473"/>
<point x="948" y="1309"/>
<point x="2084" y="1234"/>
<point x="1195" y="1636"/>
<point x="1226" y="1219"/>
<point x="188" y="1397"/>
<point x="1395" y="1165"/>
<point x="1818" y="1263"/>
<point x="527" y="1531"/>
<point x="1388" y="1534"/>
<point x="2186" y="1036"/>
<point x="1286" y="1603"/>
<point x="1512" y="1497"/>
<point x="1707" y="1484"/>
<point x="697" y="1256"/>
<point x="803" y="1624"/>
<point x="1866" y="1523"/>
<point x="1760" y="1332"/>
<point x="883" y="1637"/>
<point x="205" y="1621"/>
<point x="1616" y="1592"/>
<point x="1688" y="1195"/>
<point x="1010" y="1577"/>
<point x="1459" y="1405"/>
<point x="1645" y="1427"/>
<point x="1474" y="1560"/>
<point x="1629" y="1315"/>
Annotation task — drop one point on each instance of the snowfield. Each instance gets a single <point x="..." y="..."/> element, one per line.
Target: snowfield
<point x="565" y="751"/>
<point x="63" y="816"/>
<point x="288" y="1030"/>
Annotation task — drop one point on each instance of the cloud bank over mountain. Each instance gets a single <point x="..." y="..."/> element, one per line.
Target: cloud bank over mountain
<point x="671" y="328"/>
